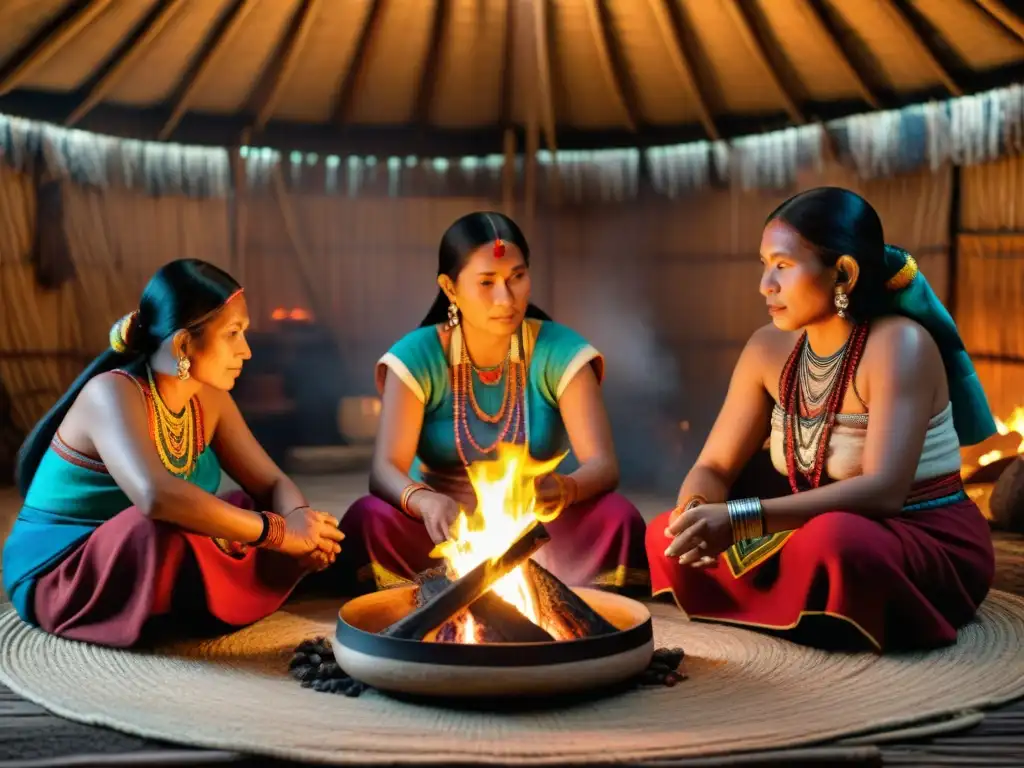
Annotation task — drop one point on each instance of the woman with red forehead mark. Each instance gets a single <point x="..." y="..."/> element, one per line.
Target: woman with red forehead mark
<point x="862" y="386"/>
<point x="122" y="528"/>
<point x="487" y="367"/>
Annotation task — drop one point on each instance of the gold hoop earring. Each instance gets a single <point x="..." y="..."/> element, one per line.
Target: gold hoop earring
<point x="453" y="315"/>
<point x="842" y="302"/>
<point x="184" y="364"/>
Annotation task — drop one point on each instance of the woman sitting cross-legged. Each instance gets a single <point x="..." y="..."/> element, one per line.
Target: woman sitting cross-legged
<point x="487" y="367"/>
<point x="865" y="391"/>
<point x="120" y="524"/>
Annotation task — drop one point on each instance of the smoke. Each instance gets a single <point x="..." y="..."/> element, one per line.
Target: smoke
<point x="643" y="390"/>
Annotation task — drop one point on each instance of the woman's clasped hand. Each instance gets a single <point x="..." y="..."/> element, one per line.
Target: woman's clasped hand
<point x="312" y="536"/>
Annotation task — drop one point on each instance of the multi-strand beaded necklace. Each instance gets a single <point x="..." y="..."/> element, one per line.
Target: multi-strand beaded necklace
<point x="811" y="392"/>
<point x="510" y="415"/>
<point x="179" y="437"/>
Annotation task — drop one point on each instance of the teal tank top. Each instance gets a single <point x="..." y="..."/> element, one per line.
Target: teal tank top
<point x="70" y="496"/>
<point x="552" y="353"/>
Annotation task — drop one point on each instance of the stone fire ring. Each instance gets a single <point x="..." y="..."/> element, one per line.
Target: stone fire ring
<point x="453" y="670"/>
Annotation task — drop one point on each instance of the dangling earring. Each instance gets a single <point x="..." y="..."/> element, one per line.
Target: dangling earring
<point x="842" y="302"/>
<point x="184" y="364"/>
<point x="453" y="315"/>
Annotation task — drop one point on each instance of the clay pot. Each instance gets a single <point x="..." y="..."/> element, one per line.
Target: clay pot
<point x="358" y="418"/>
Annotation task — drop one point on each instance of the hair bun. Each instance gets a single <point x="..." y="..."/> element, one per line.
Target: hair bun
<point x="900" y="267"/>
<point x="122" y="332"/>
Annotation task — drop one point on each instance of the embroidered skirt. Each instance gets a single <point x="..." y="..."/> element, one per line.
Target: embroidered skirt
<point x="134" y="571"/>
<point x="598" y="542"/>
<point x="845" y="580"/>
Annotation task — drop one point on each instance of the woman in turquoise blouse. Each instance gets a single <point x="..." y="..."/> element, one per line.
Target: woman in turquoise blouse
<point x="487" y="367"/>
<point x="120" y="523"/>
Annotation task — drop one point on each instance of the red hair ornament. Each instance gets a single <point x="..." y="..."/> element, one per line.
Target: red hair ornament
<point x="499" y="248"/>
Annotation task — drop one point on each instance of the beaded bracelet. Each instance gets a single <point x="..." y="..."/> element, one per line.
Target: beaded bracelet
<point x="274" y="528"/>
<point x="403" y="504"/>
<point x="746" y="517"/>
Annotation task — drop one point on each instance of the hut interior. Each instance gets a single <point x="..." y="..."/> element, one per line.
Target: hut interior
<point x="317" y="150"/>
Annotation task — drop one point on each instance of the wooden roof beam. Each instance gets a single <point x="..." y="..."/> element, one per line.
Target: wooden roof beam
<point x="431" y="62"/>
<point x="48" y="42"/>
<point x="508" y="65"/>
<point x="282" y="64"/>
<point x="742" y="15"/>
<point x="213" y="47"/>
<point x="126" y="57"/>
<point x="371" y="23"/>
<point x="821" y="15"/>
<point x="613" y="64"/>
<point x="543" y="35"/>
<point x="671" y="25"/>
<point x="1010" y="20"/>
<point x="906" y="21"/>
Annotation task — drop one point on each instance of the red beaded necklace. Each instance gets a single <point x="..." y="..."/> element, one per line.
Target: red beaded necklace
<point x="789" y="399"/>
<point x="511" y="409"/>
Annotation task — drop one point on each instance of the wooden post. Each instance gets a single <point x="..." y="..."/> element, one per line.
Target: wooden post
<point x="508" y="174"/>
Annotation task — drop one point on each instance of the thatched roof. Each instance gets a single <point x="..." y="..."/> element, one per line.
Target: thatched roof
<point x="437" y="76"/>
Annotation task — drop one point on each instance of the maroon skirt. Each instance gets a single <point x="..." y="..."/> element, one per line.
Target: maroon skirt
<point x="598" y="542"/>
<point x="844" y="580"/>
<point x="133" y="570"/>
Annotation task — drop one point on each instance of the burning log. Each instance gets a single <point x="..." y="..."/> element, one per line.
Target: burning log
<point x="497" y="620"/>
<point x="562" y="612"/>
<point x="461" y="594"/>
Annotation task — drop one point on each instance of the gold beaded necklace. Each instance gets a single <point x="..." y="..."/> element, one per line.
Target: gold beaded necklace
<point x="178" y="437"/>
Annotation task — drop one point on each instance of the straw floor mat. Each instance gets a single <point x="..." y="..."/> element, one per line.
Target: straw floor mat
<point x="745" y="692"/>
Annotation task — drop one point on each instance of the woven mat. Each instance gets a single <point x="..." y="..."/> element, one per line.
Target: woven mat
<point x="745" y="692"/>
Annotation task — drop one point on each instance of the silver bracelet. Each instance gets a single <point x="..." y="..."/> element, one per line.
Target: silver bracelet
<point x="746" y="517"/>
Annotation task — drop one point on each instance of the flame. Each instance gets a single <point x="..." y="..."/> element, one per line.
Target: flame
<point x="1015" y="423"/>
<point x="505" y="506"/>
<point x="987" y="458"/>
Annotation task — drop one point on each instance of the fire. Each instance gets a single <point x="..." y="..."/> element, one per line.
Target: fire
<point x="506" y="504"/>
<point x="1014" y="424"/>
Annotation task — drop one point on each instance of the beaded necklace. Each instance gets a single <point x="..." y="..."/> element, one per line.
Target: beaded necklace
<point x="179" y="437"/>
<point x="810" y="392"/>
<point x="511" y="411"/>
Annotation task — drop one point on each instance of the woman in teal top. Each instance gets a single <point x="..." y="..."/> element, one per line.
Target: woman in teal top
<point x="120" y="522"/>
<point x="488" y="368"/>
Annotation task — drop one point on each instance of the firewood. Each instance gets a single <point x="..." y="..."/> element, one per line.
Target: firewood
<point x="468" y="589"/>
<point x="497" y="620"/>
<point x="563" y="613"/>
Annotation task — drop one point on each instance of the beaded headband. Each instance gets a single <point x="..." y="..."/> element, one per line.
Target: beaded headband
<point x="123" y="330"/>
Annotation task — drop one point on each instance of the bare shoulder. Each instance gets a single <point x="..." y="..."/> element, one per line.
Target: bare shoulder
<point x="899" y="341"/>
<point x="110" y="389"/>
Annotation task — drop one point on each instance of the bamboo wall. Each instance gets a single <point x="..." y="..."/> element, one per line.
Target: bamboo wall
<point x="667" y="290"/>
